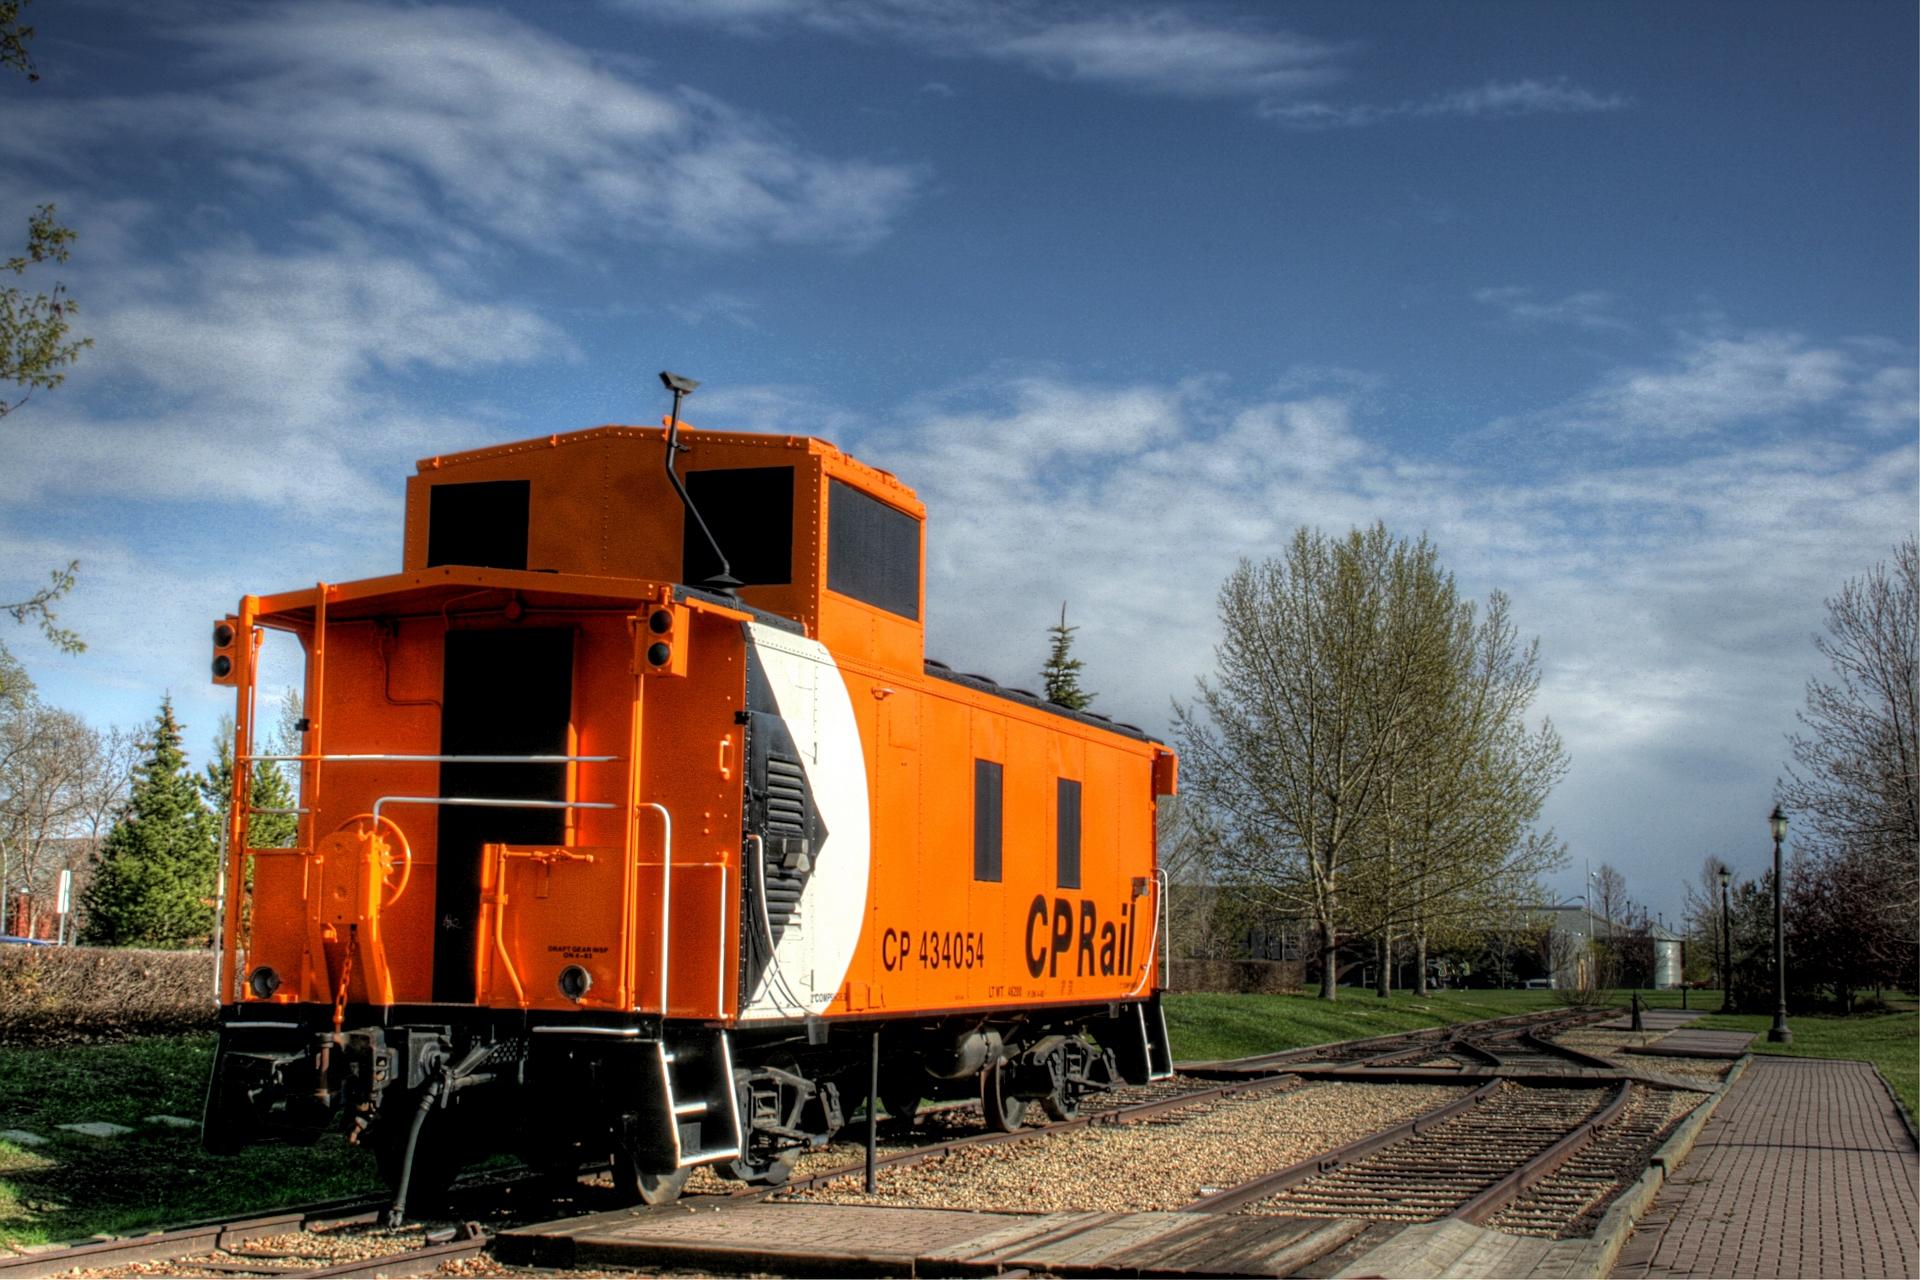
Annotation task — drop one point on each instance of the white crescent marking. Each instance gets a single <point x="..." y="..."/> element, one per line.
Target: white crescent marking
<point x="811" y="960"/>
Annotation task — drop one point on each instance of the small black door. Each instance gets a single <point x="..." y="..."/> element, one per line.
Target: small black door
<point x="506" y="693"/>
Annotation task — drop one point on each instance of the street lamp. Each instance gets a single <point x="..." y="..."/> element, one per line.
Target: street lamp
<point x="1778" y="1033"/>
<point x="1726" y="944"/>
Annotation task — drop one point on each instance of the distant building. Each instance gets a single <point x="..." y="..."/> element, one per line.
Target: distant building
<point x="1570" y="929"/>
<point x="1669" y="950"/>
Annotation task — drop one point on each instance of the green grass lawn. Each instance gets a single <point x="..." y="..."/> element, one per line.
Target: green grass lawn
<point x="74" y="1185"/>
<point x="1222" y="1026"/>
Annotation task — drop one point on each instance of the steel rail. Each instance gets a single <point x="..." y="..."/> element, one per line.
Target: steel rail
<point x="1490" y="1200"/>
<point x="1533" y="1041"/>
<point x="424" y="1261"/>
<point x="1468" y="1049"/>
<point x="182" y="1242"/>
<point x="206" y="1237"/>
<point x="1267" y="1184"/>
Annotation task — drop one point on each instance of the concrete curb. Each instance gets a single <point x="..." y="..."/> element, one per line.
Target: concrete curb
<point x="1906" y="1116"/>
<point x="1602" y="1249"/>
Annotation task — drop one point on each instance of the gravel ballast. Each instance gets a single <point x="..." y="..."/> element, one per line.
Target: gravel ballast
<point x="1159" y="1164"/>
<point x="1612" y="1045"/>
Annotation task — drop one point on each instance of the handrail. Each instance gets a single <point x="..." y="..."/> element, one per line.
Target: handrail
<point x="488" y="802"/>
<point x="1159" y="894"/>
<point x="666" y="895"/>
<point x="500" y="930"/>
<point x="1163" y="934"/>
<point x="446" y="759"/>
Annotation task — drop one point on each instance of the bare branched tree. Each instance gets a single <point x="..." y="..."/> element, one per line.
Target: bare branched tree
<point x="1852" y="785"/>
<point x="1186" y="853"/>
<point x="1703" y="922"/>
<point x="61" y="784"/>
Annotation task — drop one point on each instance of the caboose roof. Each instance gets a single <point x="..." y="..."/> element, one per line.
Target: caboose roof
<point x="880" y="482"/>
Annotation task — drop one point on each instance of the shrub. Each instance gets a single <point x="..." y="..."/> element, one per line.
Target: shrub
<point x="51" y="995"/>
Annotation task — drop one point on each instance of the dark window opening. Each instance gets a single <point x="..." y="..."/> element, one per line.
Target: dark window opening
<point x="986" y="820"/>
<point x="750" y="511"/>
<point x="873" y="551"/>
<point x="1067" y="864"/>
<point x="482" y="524"/>
<point x="506" y="693"/>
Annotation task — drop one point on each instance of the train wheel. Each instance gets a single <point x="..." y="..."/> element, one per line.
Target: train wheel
<point x="901" y="1102"/>
<point x="636" y="1186"/>
<point x="1062" y="1102"/>
<point x="1004" y="1111"/>
<point x="770" y="1172"/>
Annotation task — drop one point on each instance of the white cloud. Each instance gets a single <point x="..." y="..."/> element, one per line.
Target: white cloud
<point x="1520" y="97"/>
<point x="1592" y="309"/>
<point x="242" y="376"/>
<point x="717" y="305"/>
<point x="461" y="120"/>
<point x="1715" y="383"/>
<point x="1493" y="99"/>
<point x="1168" y="49"/>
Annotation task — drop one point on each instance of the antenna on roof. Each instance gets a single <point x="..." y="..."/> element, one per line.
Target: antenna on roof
<point x="724" y="582"/>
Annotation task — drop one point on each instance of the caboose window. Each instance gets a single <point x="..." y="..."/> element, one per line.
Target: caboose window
<point x="1067" y="865"/>
<point x="986" y="820"/>
<point x="483" y="524"/>
<point x="873" y="551"/>
<point x="750" y="510"/>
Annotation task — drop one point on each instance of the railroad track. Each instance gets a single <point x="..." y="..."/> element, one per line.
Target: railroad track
<point x="1527" y="1159"/>
<point x="1535" y="1170"/>
<point x="338" y="1239"/>
<point x="1412" y="1048"/>
<point x="1469" y="1165"/>
<point x="1534" y="1153"/>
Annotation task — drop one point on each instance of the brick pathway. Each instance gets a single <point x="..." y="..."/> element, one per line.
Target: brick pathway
<point x="1805" y="1170"/>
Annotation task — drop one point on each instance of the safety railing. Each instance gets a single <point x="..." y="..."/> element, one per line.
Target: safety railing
<point x="491" y="802"/>
<point x="440" y="759"/>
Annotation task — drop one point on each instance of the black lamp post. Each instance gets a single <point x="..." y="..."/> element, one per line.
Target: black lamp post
<point x="1726" y="944"/>
<point x="1779" y="1034"/>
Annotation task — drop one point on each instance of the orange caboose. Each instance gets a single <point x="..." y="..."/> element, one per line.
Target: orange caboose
<point x="631" y="808"/>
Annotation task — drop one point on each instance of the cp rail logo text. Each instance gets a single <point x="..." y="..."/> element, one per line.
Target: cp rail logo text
<point x="1047" y="942"/>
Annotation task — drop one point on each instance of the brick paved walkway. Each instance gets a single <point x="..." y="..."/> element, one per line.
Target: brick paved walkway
<point x="1805" y="1170"/>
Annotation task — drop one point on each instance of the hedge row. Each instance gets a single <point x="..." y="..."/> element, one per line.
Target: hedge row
<point x="50" y="995"/>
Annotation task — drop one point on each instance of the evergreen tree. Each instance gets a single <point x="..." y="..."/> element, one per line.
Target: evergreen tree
<point x="1062" y="671"/>
<point x="153" y="881"/>
<point x="270" y="788"/>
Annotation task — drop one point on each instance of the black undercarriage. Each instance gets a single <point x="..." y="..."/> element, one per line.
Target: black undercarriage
<point x="433" y="1088"/>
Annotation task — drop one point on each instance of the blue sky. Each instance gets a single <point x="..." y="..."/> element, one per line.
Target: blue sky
<point x="1616" y="302"/>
